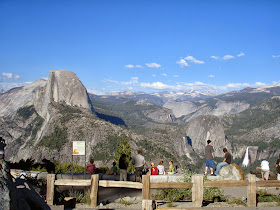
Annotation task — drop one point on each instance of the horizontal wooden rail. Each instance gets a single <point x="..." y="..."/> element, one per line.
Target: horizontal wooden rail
<point x="197" y="186"/>
<point x="134" y="185"/>
<point x="269" y="183"/>
<point x="227" y="183"/>
<point x="71" y="182"/>
<point x="171" y="185"/>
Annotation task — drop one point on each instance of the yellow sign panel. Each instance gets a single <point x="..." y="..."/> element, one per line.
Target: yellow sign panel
<point x="79" y="147"/>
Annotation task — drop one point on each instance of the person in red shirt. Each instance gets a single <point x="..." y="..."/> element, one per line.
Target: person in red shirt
<point x="91" y="167"/>
<point x="154" y="170"/>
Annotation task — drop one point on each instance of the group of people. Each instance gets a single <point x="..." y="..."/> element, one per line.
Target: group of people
<point x="209" y="155"/>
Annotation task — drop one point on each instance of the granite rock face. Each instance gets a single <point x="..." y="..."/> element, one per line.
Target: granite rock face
<point x="19" y="97"/>
<point x="202" y="128"/>
<point x="59" y="89"/>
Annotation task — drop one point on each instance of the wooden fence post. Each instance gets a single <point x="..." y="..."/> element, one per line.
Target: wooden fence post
<point x="50" y="188"/>
<point x="251" y="191"/>
<point x="197" y="190"/>
<point x="147" y="205"/>
<point x="146" y="187"/>
<point x="94" y="190"/>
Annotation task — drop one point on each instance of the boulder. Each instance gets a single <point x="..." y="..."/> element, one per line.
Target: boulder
<point x="231" y="172"/>
<point x="7" y="188"/>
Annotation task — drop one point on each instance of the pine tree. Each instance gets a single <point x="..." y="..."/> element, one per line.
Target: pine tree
<point x="124" y="148"/>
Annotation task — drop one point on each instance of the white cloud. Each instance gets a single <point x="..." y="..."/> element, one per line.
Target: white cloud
<point x="138" y="66"/>
<point x="10" y="76"/>
<point x="275" y="56"/>
<point x="7" y="75"/>
<point x="153" y="75"/>
<point x="155" y="85"/>
<point x="240" y="54"/>
<point x="227" y="57"/>
<point x="153" y="65"/>
<point x="215" y="57"/>
<point x="165" y="75"/>
<point x="130" y="66"/>
<point x="175" y="75"/>
<point x="182" y="63"/>
<point x="193" y="60"/>
<point x="211" y="76"/>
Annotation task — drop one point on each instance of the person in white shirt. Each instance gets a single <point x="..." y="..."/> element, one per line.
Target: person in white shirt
<point x="264" y="169"/>
<point x="160" y="168"/>
<point x="138" y="161"/>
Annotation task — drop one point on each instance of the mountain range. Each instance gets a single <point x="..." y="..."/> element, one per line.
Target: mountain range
<point x="42" y="119"/>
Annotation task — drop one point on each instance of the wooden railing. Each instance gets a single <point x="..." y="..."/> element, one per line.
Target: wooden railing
<point x="197" y="186"/>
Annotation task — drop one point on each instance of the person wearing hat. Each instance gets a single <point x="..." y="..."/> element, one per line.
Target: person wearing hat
<point x="154" y="170"/>
<point x="2" y="146"/>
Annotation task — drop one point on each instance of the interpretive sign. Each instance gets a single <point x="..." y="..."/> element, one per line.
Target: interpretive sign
<point x="79" y="147"/>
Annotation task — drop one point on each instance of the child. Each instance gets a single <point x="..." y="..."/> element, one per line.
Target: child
<point x="171" y="167"/>
<point x="154" y="170"/>
<point x="91" y="167"/>
<point x="160" y="168"/>
<point x="178" y="169"/>
<point x="114" y="168"/>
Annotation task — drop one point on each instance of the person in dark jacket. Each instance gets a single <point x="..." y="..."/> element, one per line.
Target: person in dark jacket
<point x="49" y="166"/>
<point x="123" y="164"/>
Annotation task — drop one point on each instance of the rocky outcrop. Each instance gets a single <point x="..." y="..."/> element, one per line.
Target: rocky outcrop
<point x="202" y="128"/>
<point x="16" y="98"/>
<point x="62" y="87"/>
<point x="181" y="108"/>
<point x="7" y="188"/>
<point x="231" y="172"/>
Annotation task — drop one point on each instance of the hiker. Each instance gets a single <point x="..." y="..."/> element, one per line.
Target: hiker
<point x="264" y="169"/>
<point x="49" y="166"/>
<point x="209" y="156"/>
<point x="2" y="146"/>
<point x="160" y="168"/>
<point x="138" y="161"/>
<point x="123" y="164"/>
<point x="226" y="161"/>
<point x="91" y="167"/>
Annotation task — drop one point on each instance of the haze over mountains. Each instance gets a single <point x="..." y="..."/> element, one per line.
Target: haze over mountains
<point x="44" y="117"/>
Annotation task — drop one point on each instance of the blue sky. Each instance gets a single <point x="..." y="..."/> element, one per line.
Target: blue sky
<point x="147" y="45"/>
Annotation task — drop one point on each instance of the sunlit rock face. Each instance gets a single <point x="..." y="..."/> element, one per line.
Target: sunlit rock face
<point x="202" y="128"/>
<point x="62" y="87"/>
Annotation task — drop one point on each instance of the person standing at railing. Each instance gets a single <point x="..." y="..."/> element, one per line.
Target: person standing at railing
<point x="138" y="161"/>
<point x="264" y="169"/>
<point x="123" y="164"/>
<point x="209" y="156"/>
<point x="278" y="168"/>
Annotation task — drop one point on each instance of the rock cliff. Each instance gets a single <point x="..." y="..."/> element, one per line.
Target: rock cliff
<point x="202" y="128"/>
<point x="62" y="87"/>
